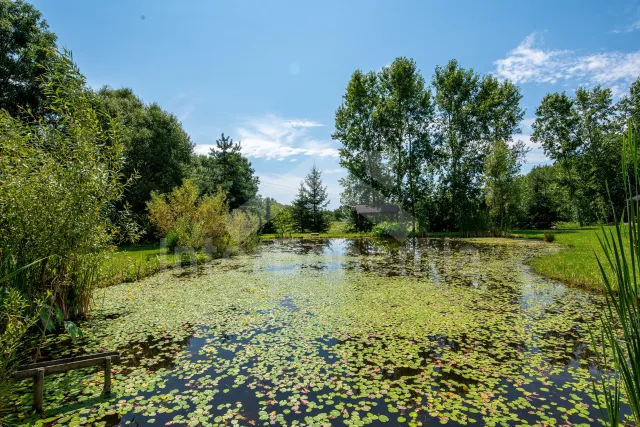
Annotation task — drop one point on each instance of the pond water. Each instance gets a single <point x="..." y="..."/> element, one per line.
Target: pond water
<point x="337" y="332"/>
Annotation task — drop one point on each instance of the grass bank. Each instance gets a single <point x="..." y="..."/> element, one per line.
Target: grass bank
<point x="575" y="262"/>
<point x="133" y="262"/>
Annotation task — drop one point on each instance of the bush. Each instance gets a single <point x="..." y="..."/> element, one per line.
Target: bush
<point x="549" y="236"/>
<point x="243" y="230"/>
<point x="396" y="230"/>
<point x="186" y="220"/>
<point x="58" y="184"/>
<point x="171" y="240"/>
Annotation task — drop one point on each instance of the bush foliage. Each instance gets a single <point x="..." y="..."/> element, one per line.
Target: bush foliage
<point x="58" y="182"/>
<point x="397" y="230"/>
<point x="186" y="220"/>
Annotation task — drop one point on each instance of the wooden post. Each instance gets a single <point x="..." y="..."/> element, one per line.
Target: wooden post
<point x="38" y="389"/>
<point x="107" y="375"/>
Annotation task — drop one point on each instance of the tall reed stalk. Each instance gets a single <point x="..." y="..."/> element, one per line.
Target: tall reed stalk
<point x="621" y="320"/>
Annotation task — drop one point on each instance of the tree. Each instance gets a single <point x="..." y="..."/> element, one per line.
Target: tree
<point x="596" y="166"/>
<point x="545" y="197"/>
<point x="471" y="112"/>
<point x="358" y="128"/>
<point x="556" y="128"/>
<point x="227" y="168"/>
<point x="502" y="189"/>
<point x="317" y="201"/>
<point x="630" y="105"/>
<point x="157" y="150"/>
<point x="300" y="209"/>
<point x="383" y="124"/>
<point x="309" y="206"/>
<point x="26" y="49"/>
<point x="283" y="221"/>
<point x="406" y="114"/>
<point x="578" y="133"/>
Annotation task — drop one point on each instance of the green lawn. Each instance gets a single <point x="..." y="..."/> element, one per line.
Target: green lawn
<point x="575" y="261"/>
<point x="133" y="262"/>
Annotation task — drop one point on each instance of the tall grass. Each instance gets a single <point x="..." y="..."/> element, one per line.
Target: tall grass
<point x="621" y="320"/>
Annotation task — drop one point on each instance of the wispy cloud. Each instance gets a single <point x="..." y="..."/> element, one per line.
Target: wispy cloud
<point x="272" y="137"/>
<point x="530" y="61"/>
<point x="331" y="171"/>
<point x="629" y="29"/>
<point x="187" y="110"/>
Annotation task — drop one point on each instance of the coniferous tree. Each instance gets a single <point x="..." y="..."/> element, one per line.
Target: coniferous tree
<point x="317" y="201"/>
<point x="227" y="168"/>
<point x="300" y="211"/>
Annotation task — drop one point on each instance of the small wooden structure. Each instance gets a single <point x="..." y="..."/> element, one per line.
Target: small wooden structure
<point x="376" y="211"/>
<point x="37" y="371"/>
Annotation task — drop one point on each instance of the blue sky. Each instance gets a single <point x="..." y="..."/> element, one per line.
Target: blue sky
<point x="272" y="73"/>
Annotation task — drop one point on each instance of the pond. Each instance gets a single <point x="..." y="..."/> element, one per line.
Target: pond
<point x="338" y="332"/>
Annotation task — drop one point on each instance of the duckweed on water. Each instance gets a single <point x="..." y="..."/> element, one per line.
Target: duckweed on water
<point x="342" y="332"/>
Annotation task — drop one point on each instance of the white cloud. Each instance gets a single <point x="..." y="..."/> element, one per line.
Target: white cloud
<point x="330" y="171"/>
<point x="293" y="160"/>
<point x="272" y="137"/>
<point x="203" y="148"/>
<point x="531" y="62"/>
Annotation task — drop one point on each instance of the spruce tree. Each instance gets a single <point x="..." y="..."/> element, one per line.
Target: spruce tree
<point x="300" y="212"/>
<point x="317" y="201"/>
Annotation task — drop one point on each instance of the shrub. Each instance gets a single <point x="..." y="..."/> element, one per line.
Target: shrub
<point x="186" y="220"/>
<point x="397" y="230"/>
<point x="243" y="230"/>
<point x="549" y="236"/>
<point x="59" y="180"/>
<point x="283" y="221"/>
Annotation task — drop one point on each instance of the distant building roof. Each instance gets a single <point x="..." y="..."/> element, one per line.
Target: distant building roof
<point x="376" y="209"/>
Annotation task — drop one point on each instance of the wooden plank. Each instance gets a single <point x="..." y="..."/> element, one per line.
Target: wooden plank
<point x="38" y="389"/>
<point x="64" y="367"/>
<point x="66" y="360"/>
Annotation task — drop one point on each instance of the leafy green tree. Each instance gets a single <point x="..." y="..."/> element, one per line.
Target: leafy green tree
<point x="629" y="106"/>
<point x="556" y="129"/>
<point x="579" y="133"/>
<point x="545" y="197"/>
<point x="471" y="112"/>
<point x="502" y="188"/>
<point x="283" y="221"/>
<point x="27" y="47"/>
<point x="599" y="162"/>
<point x="358" y="128"/>
<point x="227" y="168"/>
<point x="406" y="115"/>
<point x="383" y="124"/>
<point x="157" y="149"/>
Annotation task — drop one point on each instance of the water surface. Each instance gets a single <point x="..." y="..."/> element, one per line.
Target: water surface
<point x="339" y="332"/>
